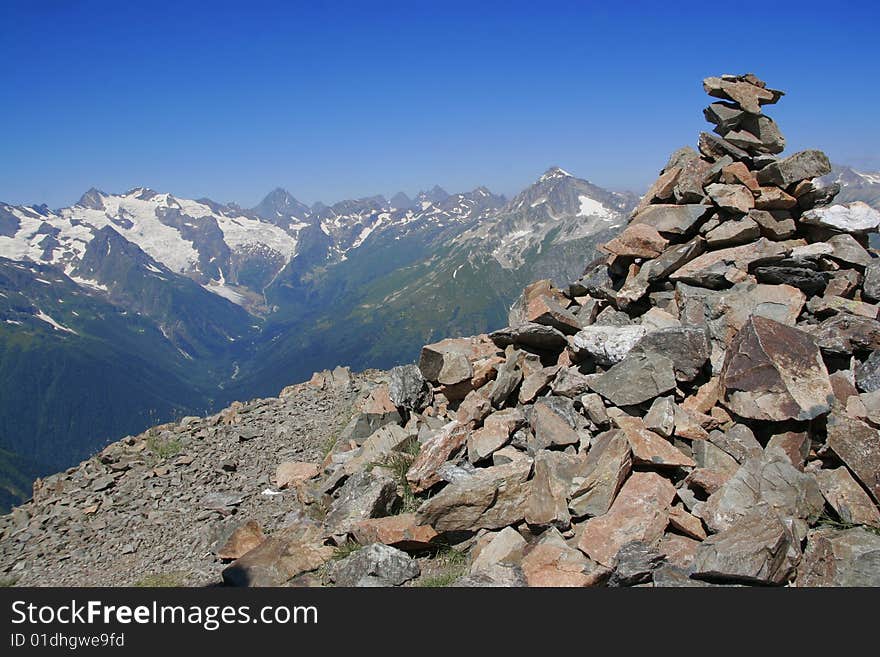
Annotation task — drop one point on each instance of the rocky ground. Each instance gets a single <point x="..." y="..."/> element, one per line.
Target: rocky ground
<point x="152" y="508"/>
<point x="701" y="408"/>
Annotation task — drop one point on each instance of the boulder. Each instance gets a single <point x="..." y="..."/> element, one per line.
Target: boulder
<point x="244" y="539"/>
<point x="607" y="466"/>
<point x="671" y="219"/>
<point x="607" y="345"/>
<point x="408" y="388"/>
<point x="856" y="217"/>
<point x="637" y="378"/>
<point x="551" y="562"/>
<point x="422" y="474"/>
<point x="649" y="449"/>
<point x="365" y="494"/>
<point x="634" y="564"/>
<point x="858" y="446"/>
<point x="374" y="565"/>
<point x="758" y="548"/>
<point x="639" y="513"/>
<point x="687" y="346"/>
<point x="794" y="168"/>
<point x="548" y="497"/>
<point x="835" y="557"/>
<point x="400" y="531"/>
<point x="491" y="498"/>
<point x="550" y="428"/>
<point x="291" y="473"/>
<point x="534" y="336"/>
<point x="774" y="372"/>
<point x="504" y="547"/>
<point x="849" y="500"/>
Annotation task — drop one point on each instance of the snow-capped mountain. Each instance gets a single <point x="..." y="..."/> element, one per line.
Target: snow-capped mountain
<point x="199" y="303"/>
<point x="854" y="185"/>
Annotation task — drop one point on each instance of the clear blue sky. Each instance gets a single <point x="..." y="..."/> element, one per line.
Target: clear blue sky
<point x="334" y="100"/>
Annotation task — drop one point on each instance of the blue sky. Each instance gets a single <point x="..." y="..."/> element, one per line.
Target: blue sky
<point x="334" y="100"/>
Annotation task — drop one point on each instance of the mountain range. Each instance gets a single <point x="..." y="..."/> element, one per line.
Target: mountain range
<point x="125" y="310"/>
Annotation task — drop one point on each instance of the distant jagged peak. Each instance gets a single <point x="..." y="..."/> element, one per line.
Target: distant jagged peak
<point x="400" y="201"/>
<point x="554" y="173"/>
<point x="93" y="199"/>
<point x="280" y="204"/>
<point x="434" y="195"/>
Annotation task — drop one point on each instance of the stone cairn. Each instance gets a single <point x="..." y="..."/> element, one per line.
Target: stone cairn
<point x="701" y="407"/>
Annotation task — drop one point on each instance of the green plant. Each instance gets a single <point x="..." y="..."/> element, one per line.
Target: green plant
<point x="448" y="563"/>
<point x="835" y="523"/>
<point x="398" y="463"/>
<point x="163" y="448"/>
<point x="161" y="580"/>
<point x="346" y="549"/>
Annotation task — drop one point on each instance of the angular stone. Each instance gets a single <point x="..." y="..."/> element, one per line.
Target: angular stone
<point x="725" y="116"/>
<point x="422" y="474"/>
<point x="739" y="174"/>
<point x="669" y="261"/>
<point x="452" y="354"/>
<point x="535" y="383"/>
<point x="506" y="382"/>
<point x="794" y="168"/>
<point x="827" y="305"/>
<point x="687" y="346"/>
<point x="551" y="562"/>
<point x="634" y="564"/>
<point x="662" y="188"/>
<point x="774" y="372"/>
<point x="535" y="336"/>
<point x="738" y="441"/>
<point x="737" y="198"/>
<point x="710" y="456"/>
<point x="381" y="442"/>
<point x="856" y="217"/>
<point x="640" y="513"/>
<point x="495" y="433"/>
<point x="244" y="539"/>
<point x="550" y="428"/>
<point x="858" y="446"/>
<point x="686" y="523"/>
<point x="407" y="388"/>
<point x="608" y="464"/>
<point x="505" y="547"/>
<point x="648" y="448"/>
<point x="548" y="312"/>
<point x="867" y="374"/>
<point x="694" y="175"/>
<point x="671" y="219"/>
<point x="848" y="250"/>
<point x="767" y="132"/>
<point x="733" y="233"/>
<point x="491" y="498"/>
<point x="661" y="417"/>
<point x="374" y="565"/>
<point x="293" y="472"/>
<point x="773" y="198"/>
<point x="548" y="497"/>
<point x="716" y="148"/>
<point x="795" y="445"/>
<point x="679" y="552"/>
<point x="289" y="552"/>
<point x="769" y="482"/>
<point x="771" y="227"/>
<point x="851" y="503"/>
<point x="607" y="344"/>
<point x="757" y="548"/>
<point x="474" y="407"/>
<point x="497" y="576"/>
<point x="400" y="531"/>
<point x="542" y="288"/>
<point x="833" y="557"/>
<point x="742" y="91"/>
<point x="655" y="318"/>
<point x="364" y="495"/>
<point x="843" y="283"/>
<point x="637" y="241"/>
<point x="570" y="383"/>
<point x="871" y="284"/>
<point x="709" y="269"/>
<point x="809" y="281"/>
<point x="637" y="378"/>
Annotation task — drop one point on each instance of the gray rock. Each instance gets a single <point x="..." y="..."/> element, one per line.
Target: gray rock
<point x="858" y="446"/>
<point x="608" y="464"/>
<point x="809" y="281"/>
<point x="506" y="382"/>
<point x="569" y="382"/>
<point x="834" y="557"/>
<point x="758" y="548"/>
<point x="768" y="482"/>
<point x="871" y="284"/>
<point x="733" y="233"/>
<point x="407" y="388"/>
<point x="800" y="166"/>
<point x="687" y="346"/>
<point x="661" y="417"/>
<point x="536" y="336"/>
<point x="868" y="373"/>
<point x="374" y="565"/>
<point x="672" y="219"/>
<point x="497" y="575"/>
<point x="637" y="378"/>
<point x="366" y="494"/>
<point x="738" y="441"/>
<point x="607" y="344"/>
<point x="635" y="564"/>
<point x="845" y="334"/>
<point x="848" y="250"/>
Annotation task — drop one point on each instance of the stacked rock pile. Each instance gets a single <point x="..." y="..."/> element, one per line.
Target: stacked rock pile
<point x="700" y="407"/>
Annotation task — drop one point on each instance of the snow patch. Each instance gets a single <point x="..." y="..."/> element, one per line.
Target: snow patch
<point x="592" y="208"/>
<point x="55" y="325"/>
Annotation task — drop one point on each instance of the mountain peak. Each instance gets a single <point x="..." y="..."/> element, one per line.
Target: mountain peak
<point x="279" y="203"/>
<point x="92" y="199"/>
<point x="555" y="173"/>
